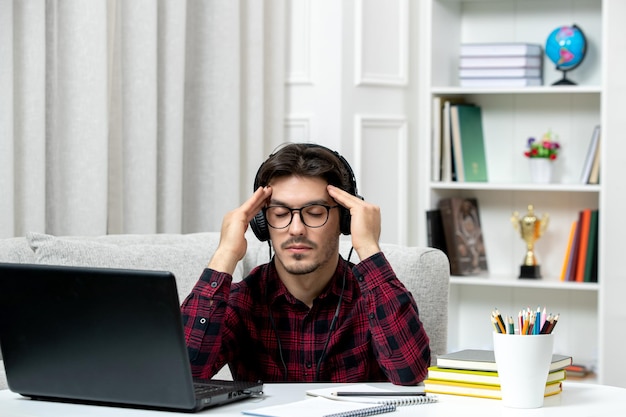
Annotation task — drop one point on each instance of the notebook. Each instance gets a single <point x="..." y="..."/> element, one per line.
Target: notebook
<point x="101" y="336"/>
<point x="321" y="407"/>
<point x="484" y="360"/>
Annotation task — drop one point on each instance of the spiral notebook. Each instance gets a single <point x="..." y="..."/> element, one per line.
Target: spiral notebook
<point x="321" y="407"/>
<point x="375" y="395"/>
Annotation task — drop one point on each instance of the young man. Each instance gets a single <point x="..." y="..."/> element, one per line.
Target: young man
<point x="308" y="314"/>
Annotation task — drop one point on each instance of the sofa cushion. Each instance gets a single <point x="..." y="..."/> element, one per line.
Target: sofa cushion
<point x="424" y="271"/>
<point x="184" y="255"/>
<point x="16" y="250"/>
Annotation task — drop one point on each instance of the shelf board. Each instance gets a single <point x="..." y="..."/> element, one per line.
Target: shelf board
<point x="546" y="89"/>
<point x="490" y="186"/>
<point x="507" y="282"/>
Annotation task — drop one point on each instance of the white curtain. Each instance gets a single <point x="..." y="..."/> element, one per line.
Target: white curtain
<point x="135" y="116"/>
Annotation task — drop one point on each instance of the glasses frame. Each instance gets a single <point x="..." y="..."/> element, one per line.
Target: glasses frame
<point x="299" y="210"/>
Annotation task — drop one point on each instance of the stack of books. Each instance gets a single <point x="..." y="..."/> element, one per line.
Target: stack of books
<point x="501" y="65"/>
<point x="473" y="373"/>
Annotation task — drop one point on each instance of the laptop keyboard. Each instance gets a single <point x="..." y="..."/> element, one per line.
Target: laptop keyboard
<point x="204" y="390"/>
<point x="210" y="388"/>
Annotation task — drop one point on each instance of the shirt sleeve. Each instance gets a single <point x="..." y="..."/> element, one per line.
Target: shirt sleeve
<point x="399" y="340"/>
<point x="204" y="313"/>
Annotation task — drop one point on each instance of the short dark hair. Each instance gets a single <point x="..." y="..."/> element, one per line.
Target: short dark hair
<point x="307" y="160"/>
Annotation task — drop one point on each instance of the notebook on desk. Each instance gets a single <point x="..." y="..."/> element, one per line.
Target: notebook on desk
<point x="102" y="336"/>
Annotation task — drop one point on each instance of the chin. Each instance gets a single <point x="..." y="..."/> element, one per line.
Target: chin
<point x="301" y="268"/>
<point x="296" y="266"/>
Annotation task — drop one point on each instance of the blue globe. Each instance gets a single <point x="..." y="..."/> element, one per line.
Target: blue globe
<point x="566" y="47"/>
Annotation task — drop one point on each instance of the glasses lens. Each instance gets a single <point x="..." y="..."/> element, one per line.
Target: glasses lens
<point x="278" y="217"/>
<point x="315" y="215"/>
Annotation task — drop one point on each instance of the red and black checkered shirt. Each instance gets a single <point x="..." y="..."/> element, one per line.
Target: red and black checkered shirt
<point x="264" y="333"/>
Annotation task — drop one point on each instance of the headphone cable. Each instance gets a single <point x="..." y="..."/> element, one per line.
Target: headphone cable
<point x="330" y="329"/>
<point x="334" y="320"/>
<point x="280" y="347"/>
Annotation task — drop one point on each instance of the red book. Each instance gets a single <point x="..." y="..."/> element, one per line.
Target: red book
<point x="582" y="246"/>
<point x="570" y="274"/>
<point x="592" y="249"/>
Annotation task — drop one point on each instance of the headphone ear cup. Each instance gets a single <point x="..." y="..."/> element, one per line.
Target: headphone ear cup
<point x="258" y="224"/>
<point x="344" y="220"/>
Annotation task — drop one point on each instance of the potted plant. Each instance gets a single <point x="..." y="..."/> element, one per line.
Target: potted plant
<point x="541" y="153"/>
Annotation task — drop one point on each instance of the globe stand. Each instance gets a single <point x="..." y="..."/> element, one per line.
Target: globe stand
<point x="564" y="80"/>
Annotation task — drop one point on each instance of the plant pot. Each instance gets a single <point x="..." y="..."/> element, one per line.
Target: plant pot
<point x="540" y="170"/>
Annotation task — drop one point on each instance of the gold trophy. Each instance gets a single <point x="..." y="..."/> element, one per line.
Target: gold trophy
<point x="531" y="229"/>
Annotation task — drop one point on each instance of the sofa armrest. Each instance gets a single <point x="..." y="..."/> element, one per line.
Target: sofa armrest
<point x="425" y="272"/>
<point x="428" y="280"/>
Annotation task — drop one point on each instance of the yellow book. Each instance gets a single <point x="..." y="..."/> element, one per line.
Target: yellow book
<point x="480" y="377"/>
<point x="436" y="386"/>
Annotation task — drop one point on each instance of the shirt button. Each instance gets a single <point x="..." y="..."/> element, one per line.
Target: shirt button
<point x="202" y="320"/>
<point x="360" y="278"/>
<point x="371" y="316"/>
<point x="308" y="364"/>
<point x="213" y="284"/>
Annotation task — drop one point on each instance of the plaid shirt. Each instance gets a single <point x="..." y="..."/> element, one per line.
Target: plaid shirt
<point x="264" y="333"/>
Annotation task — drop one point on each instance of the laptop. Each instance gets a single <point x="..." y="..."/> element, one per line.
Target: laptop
<point x="101" y="336"/>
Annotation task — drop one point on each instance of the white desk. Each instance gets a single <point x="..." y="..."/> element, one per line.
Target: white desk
<point x="577" y="399"/>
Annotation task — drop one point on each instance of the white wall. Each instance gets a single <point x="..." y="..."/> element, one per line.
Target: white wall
<point x="349" y="88"/>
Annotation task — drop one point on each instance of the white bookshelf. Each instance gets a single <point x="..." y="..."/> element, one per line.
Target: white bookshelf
<point x="510" y="116"/>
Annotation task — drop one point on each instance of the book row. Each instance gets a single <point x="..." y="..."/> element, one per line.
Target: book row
<point x="580" y="263"/>
<point x="501" y="65"/>
<point x="454" y="227"/>
<point x="458" y="143"/>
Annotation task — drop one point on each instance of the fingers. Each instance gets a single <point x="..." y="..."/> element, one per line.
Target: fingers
<point x="235" y="222"/>
<point x="365" y="222"/>
<point x="256" y="202"/>
<point x="344" y="198"/>
<point x="233" y="245"/>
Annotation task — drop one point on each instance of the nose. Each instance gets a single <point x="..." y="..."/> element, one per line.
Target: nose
<point x="297" y="227"/>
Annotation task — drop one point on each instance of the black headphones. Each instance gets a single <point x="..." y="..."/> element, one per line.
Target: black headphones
<point x="259" y="225"/>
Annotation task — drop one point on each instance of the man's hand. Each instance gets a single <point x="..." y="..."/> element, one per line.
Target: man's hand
<point x="365" y="222"/>
<point x="233" y="245"/>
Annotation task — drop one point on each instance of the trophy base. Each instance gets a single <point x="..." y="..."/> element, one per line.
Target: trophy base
<point x="530" y="272"/>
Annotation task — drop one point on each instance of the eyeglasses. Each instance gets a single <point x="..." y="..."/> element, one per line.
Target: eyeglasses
<point x="312" y="215"/>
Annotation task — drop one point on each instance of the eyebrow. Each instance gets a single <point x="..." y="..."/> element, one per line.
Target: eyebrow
<point x="275" y="202"/>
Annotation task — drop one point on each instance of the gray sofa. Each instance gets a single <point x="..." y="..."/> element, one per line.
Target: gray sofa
<point x="424" y="271"/>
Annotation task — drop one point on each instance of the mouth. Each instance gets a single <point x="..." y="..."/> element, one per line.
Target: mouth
<point x="298" y="248"/>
